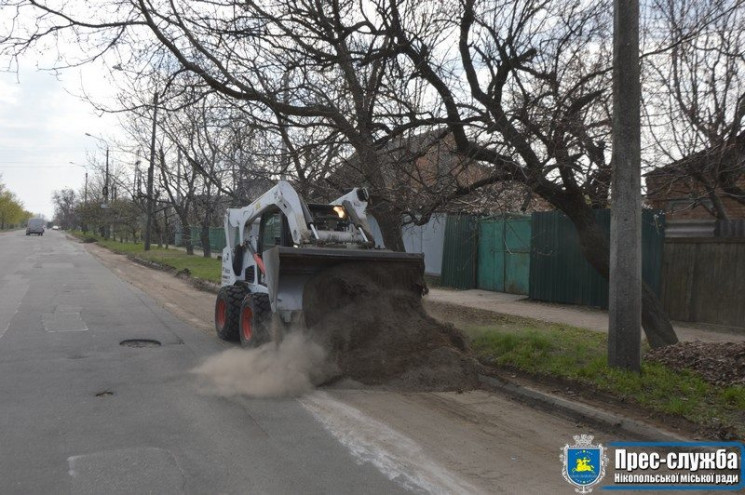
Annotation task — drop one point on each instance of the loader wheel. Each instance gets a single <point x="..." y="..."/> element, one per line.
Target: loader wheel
<point x="255" y="320"/>
<point x="227" y="311"/>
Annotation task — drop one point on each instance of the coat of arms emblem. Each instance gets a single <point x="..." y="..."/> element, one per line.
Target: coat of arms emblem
<point x="584" y="463"/>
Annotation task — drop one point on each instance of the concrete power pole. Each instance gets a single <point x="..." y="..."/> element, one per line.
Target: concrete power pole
<point x="150" y="199"/>
<point x="625" y="295"/>
<point x="107" y="228"/>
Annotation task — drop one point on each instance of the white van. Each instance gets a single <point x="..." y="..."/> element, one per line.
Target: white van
<point x="35" y="226"/>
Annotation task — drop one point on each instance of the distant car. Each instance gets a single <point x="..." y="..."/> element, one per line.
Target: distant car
<point x="55" y="227"/>
<point x="35" y="226"/>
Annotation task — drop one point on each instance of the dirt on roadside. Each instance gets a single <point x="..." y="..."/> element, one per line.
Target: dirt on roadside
<point x="370" y="319"/>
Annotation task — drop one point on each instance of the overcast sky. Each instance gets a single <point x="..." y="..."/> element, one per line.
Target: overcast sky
<point x="42" y="130"/>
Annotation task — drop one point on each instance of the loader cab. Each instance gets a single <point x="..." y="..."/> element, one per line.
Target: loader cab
<point x="273" y="231"/>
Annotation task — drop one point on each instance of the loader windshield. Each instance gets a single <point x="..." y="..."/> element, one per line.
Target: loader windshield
<point x="271" y="230"/>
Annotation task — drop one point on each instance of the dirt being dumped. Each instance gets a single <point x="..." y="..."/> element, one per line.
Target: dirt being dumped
<point x="370" y="319"/>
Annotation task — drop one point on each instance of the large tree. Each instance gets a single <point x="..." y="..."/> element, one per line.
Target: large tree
<point x="534" y="102"/>
<point x="522" y="86"/>
<point x="11" y="209"/>
<point x="321" y="65"/>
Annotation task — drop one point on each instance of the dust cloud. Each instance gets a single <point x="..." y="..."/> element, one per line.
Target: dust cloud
<point x="288" y="369"/>
<point x="364" y="324"/>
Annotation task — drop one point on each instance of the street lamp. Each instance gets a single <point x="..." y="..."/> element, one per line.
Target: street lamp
<point x="150" y="174"/>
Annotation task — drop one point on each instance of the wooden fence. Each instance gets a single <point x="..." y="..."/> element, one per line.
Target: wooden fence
<point x="703" y="280"/>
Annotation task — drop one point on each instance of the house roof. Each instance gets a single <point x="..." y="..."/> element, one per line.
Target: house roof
<point x="727" y="154"/>
<point x="419" y="168"/>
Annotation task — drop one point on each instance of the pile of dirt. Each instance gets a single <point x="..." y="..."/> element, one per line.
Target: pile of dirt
<point x="717" y="363"/>
<point x="370" y="319"/>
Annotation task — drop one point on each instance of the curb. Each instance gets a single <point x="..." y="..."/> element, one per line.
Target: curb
<point x="577" y="411"/>
<point x="197" y="283"/>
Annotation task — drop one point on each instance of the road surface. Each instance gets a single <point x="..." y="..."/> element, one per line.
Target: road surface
<point x="83" y="414"/>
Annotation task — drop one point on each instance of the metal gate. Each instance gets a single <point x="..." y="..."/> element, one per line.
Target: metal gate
<point x="504" y="254"/>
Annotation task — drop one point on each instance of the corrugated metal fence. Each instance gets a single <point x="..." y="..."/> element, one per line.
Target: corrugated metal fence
<point x="459" y="252"/>
<point x="217" y="238"/>
<point x="559" y="272"/>
<point x="428" y="239"/>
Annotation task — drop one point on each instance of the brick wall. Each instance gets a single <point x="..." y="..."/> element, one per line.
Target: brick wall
<point x="677" y="197"/>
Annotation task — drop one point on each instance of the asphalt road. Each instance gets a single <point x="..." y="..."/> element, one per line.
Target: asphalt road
<point x="82" y="414"/>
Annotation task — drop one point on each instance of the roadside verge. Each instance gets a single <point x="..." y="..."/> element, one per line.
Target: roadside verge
<point x="199" y="309"/>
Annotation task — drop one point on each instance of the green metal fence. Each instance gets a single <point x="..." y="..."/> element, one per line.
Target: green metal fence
<point x="459" y="252"/>
<point x="216" y="236"/>
<point x="559" y="272"/>
<point x="504" y="254"/>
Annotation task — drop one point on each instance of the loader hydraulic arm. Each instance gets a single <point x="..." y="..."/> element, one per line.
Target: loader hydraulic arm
<point x="299" y="218"/>
<point x="281" y="196"/>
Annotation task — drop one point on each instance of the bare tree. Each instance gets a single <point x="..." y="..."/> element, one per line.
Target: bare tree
<point x="697" y="102"/>
<point x="64" y="208"/>
<point x="320" y="65"/>
<point x="535" y="105"/>
<point x="521" y="86"/>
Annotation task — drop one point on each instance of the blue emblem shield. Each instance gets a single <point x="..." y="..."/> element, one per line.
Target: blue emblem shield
<point x="583" y="465"/>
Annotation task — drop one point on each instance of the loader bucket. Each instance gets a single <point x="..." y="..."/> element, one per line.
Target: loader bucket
<point x="288" y="270"/>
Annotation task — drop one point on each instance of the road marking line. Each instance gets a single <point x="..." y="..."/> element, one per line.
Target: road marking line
<point x="397" y="456"/>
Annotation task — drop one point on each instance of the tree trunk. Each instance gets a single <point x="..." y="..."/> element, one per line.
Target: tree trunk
<point x="186" y="235"/>
<point x="205" y="238"/>
<point x="389" y="221"/>
<point x="596" y="249"/>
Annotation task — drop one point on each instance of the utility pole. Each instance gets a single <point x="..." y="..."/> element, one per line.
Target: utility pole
<point x="150" y="198"/>
<point x="134" y="177"/>
<point x="134" y="180"/>
<point x="106" y="179"/>
<point x="178" y="176"/>
<point x="625" y="294"/>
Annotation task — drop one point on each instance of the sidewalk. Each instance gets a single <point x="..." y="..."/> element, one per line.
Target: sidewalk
<point x="578" y="316"/>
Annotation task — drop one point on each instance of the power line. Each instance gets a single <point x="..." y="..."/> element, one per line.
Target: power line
<point x="31" y="165"/>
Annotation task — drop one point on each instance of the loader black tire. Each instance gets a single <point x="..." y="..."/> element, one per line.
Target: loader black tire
<point x="255" y="320"/>
<point x="227" y="311"/>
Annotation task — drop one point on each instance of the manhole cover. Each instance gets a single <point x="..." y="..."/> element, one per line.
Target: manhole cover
<point x="138" y="343"/>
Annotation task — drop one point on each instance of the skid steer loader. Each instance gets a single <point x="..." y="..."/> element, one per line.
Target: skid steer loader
<point x="275" y="245"/>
